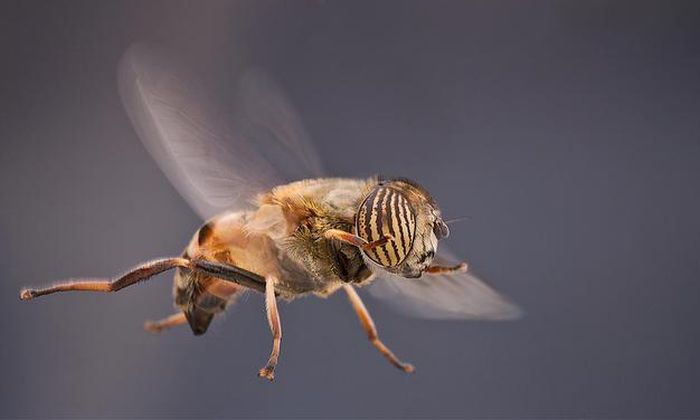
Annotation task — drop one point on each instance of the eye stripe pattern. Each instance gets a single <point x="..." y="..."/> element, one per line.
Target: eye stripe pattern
<point x="386" y="211"/>
<point x="393" y="246"/>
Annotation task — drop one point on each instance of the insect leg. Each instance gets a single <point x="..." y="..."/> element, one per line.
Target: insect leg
<point x="147" y="270"/>
<point x="355" y="240"/>
<point x="438" y="269"/>
<point x="138" y="274"/>
<point x="231" y="273"/>
<point x="273" y="318"/>
<point x="368" y="325"/>
<point x="165" y="323"/>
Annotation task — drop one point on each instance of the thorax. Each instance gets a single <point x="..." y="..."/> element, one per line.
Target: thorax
<point x="282" y="236"/>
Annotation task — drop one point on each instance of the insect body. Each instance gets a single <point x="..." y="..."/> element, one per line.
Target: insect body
<point x="283" y="238"/>
<point x="286" y="240"/>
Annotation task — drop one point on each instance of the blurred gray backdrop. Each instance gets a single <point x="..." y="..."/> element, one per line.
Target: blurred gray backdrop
<point x="567" y="131"/>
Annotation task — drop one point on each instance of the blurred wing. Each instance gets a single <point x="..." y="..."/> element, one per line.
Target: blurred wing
<point x="217" y="162"/>
<point x="454" y="296"/>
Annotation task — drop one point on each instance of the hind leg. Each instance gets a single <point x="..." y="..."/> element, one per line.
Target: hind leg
<point x="138" y="274"/>
<point x="166" y="323"/>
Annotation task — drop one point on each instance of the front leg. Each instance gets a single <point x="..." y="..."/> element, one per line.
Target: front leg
<point x="371" y="329"/>
<point x="439" y="269"/>
<point x="273" y="319"/>
<point x="355" y="240"/>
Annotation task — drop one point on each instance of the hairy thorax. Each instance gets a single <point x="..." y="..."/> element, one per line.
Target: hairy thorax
<point x="307" y="209"/>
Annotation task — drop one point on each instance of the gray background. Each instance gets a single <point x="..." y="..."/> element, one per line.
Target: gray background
<point x="568" y="132"/>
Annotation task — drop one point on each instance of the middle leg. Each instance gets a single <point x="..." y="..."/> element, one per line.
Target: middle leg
<point x="273" y="318"/>
<point x="165" y="323"/>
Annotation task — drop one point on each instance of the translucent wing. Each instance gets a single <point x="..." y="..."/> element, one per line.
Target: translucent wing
<point x="453" y="296"/>
<point x="217" y="162"/>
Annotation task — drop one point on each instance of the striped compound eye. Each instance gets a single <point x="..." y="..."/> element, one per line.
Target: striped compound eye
<point x="386" y="212"/>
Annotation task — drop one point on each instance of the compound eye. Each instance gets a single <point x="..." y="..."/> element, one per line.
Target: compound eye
<point x="386" y="212"/>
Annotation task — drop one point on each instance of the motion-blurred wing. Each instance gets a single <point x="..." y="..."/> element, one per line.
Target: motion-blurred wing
<point x="217" y="162"/>
<point x="453" y="296"/>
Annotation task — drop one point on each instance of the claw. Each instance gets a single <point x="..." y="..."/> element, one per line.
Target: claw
<point x="27" y="294"/>
<point x="267" y="373"/>
<point x="407" y="367"/>
<point x="152" y="327"/>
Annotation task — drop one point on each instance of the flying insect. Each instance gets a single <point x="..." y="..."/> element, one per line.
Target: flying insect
<point x="267" y="233"/>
